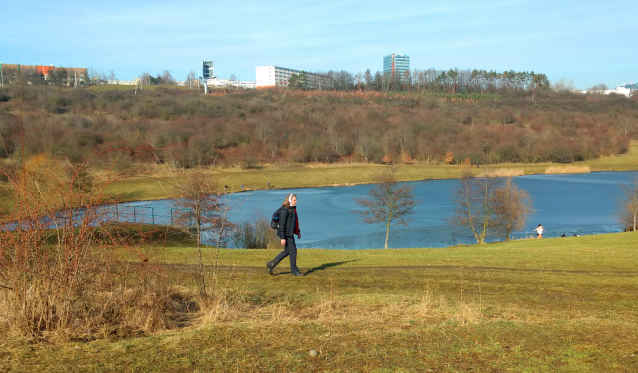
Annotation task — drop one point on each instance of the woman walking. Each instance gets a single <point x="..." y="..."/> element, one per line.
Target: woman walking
<point x="288" y="227"/>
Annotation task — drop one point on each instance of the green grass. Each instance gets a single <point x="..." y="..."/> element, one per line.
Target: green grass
<point x="625" y="162"/>
<point x="550" y="305"/>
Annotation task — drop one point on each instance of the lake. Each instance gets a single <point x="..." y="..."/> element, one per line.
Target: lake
<point x="575" y="204"/>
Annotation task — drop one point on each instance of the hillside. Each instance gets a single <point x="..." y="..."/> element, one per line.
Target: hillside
<point x="252" y="128"/>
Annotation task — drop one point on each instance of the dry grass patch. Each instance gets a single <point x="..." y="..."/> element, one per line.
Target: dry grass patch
<point x="503" y="172"/>
<point x="570" y="169"/>
<point x="346" y="310"/>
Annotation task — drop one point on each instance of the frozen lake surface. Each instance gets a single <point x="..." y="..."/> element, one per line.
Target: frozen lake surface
<point x="577" y="204"/>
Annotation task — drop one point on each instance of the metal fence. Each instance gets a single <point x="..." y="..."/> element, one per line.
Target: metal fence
<point x="149" y="215"/>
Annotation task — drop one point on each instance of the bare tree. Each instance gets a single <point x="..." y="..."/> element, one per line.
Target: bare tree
<point x="387" y="203"/>
<point x="563" y="85"/>
<point x="273" y="148"/>
<point x="628" y="209"/>
<point x="145" y="79"/>
<point x="365" y="146"/>
<point x="512" y="208"/>
<point x="489" y="205"/>
<point x="367" y="77"/>
<point x="598" y="88"/>
<point x="199" y="203"/>
<point x="476" y="204"/>
<point x="190" y="78"/>
<point x="264" y="130"/>
<point x="167" y="78"/>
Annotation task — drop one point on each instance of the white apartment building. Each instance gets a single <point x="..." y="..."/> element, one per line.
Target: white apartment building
<point x="275" y="76"/>
<point x="235" y="83"/>
<point x="620" y="90"/>
<point x="123" y="82"/>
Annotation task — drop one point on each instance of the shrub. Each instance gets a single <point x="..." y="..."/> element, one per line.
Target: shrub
<point x="249" y="163"/>
<point x="406" y="158"/>
<point x="509" y="153"/>
<point x="449" y="157"/>
<point x="256" y="233"/>
<point x="62" y="271"/>
<point x="622" y="144"/>
<point x="507" y="116"/>
<point x="559" y="154"/>
<point x="4" y="97"/>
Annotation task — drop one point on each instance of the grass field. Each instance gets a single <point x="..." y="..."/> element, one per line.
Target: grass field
<point x="550" y="305"/>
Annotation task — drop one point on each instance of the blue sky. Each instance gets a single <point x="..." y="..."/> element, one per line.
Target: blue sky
<point x="586" y="41"/>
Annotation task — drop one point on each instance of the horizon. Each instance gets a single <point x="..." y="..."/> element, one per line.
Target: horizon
<point x="581" y="42"/>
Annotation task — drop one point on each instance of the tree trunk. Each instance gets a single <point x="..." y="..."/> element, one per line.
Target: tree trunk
<point x="387" y="234"/>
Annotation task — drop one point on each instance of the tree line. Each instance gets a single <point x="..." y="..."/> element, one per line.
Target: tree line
<point x="444" y="81"/>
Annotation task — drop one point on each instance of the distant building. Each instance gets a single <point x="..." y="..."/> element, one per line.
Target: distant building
<point x="124" y="82"/>
<point x="395" y="65"/>
<point x="73" y="74"/>
<point x="620" y="90"/>
<point x="633" y="87"/>
<point x="275" y="76"/>
<point x="234" y="83"/>
<point x="208" y="71"/>
<point x="625" y="90"/>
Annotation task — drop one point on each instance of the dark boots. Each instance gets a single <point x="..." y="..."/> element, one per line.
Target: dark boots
<point x="271" y="267"/>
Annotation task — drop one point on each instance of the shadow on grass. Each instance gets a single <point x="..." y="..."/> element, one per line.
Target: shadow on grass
<point x="319" y="268"/>
<point x="328" y="265"/>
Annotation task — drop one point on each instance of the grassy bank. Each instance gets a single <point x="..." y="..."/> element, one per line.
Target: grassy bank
<point x="550" y="305"/>
<point x="319" y="175"/>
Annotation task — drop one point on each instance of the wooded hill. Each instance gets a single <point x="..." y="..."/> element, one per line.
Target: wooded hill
<point x="250" y="128"/>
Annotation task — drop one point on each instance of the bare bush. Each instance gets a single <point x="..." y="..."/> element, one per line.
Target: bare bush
<point x="64" y="270"/>
<point x="256" y="233"/>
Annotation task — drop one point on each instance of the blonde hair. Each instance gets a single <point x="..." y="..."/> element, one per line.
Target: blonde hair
<point x="288" y="200"/>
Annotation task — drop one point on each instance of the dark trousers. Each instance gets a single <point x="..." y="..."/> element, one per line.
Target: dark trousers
<point x="289" y="250"/>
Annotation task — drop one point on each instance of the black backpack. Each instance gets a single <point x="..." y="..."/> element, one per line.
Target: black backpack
<point x="274" y="221"/>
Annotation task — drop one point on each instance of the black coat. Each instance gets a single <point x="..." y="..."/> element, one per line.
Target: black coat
<point x="287" y="222"/>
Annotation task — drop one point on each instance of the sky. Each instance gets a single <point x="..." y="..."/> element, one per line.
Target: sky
<point x="586" y="42"/>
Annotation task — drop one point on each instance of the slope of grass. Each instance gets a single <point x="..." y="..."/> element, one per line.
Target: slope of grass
<point x="549" y="305"/>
